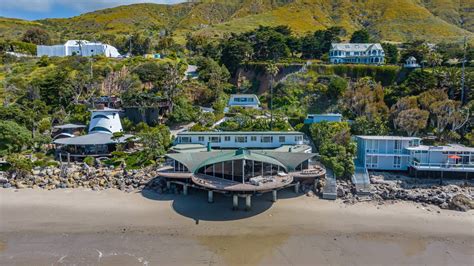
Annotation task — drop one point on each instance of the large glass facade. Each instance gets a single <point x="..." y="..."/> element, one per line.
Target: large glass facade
<point x="240" y="170"/>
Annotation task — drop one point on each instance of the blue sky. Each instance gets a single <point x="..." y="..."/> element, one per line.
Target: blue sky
<point x="38" y="9"/>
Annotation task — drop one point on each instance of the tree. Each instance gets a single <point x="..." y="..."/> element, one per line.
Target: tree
<point x="155" y="141"/>
<point x="183" y="112"/>
<point x="337" y="87"/>
<point x="54" y="88"/>
<point x="365" y="126"/>
<point x="365" y="97"/>
<point x="19" y="165"/>
<point x="13" y="137"/>
<point x="360" y="36"/>
<point x="319" y="43"/>
<point x="149" y="72"/>
<point x="271" y="70"/>
<point x="419" y="81"/>
<point x="234" y="53"/>
<point x="269" y="44"/>
<point x="391" y="53"/>
<point x="412" y="120"/>
<point x="405" y="103"/>
<point x="212" y="73"/>
<point x="333" y="142"/>
<point x="37" y="36"/>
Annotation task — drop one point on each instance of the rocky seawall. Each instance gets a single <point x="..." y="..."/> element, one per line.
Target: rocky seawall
<point x="83" y="176"/>
<point x="458" y="197"/>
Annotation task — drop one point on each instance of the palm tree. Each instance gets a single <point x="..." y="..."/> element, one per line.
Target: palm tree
<point x="272" y="70"/>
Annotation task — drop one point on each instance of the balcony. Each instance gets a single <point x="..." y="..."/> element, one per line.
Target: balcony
<point x="445" y="167"/>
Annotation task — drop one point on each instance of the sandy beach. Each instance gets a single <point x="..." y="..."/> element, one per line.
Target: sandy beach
<point x="115" y="228"/>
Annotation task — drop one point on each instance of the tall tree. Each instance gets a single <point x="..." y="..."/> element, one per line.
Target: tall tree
<point x="360" y="36"/>
<point x="272" y="70"/>
<point x="412" y="120"/>
<point x="391" y="53"/>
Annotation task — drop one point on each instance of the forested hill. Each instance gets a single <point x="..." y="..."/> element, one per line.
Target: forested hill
<point x="388" y="20"/>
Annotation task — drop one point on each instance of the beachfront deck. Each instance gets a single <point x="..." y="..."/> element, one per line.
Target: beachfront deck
<point x="216" y="183"/>
<point x="314" y="171"/>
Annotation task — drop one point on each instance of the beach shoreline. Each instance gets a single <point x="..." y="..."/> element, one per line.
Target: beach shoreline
<point x="144" y="228"/>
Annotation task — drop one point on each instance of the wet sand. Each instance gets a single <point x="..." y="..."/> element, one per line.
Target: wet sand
<point x="115" y="228"/>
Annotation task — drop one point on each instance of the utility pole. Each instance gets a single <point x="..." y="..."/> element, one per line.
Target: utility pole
<point x="463" y="73"/>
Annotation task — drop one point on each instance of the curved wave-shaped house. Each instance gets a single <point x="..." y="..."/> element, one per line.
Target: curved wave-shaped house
<point x="242" y="164"/>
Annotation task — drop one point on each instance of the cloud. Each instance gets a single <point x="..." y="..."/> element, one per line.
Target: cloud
<point x="43" y="6"/>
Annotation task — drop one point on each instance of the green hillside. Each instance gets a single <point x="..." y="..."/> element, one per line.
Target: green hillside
<point x="390" y="20"/>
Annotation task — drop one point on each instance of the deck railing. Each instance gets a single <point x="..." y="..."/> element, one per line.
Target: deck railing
<point x="442" y="165"/>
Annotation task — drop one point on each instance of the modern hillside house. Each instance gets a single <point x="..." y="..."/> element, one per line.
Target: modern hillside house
<point x="244" y="100"/>
<point x="241" y="163"/>
<point x="77" y="47"/>
<point x="316" y="118"/>
<point x="248" y="140"/>
<point x="357" y="53"/>
<point x="406" y="154"/>
<point x="99" y="141"/>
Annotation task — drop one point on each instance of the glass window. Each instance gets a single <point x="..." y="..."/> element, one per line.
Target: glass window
<point x="397" y="162"/>
<point x="201" y="138"/>
<point x="253" y="138"/>
<point x="281" y="139"/>
<point x="185" y="139"/>
<point x="298" y="138"/>
<point x="215" y="139"/>
<point x="227" y="138"/>
<point x="266" y="139"/>
<point x="241" y="139"/>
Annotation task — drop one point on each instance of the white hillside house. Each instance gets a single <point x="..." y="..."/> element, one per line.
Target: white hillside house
<point x="77" y="47"/>
<point x="357" y="53"/>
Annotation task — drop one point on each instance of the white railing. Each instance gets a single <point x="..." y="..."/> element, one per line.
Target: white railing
<point x="442" y="165"/>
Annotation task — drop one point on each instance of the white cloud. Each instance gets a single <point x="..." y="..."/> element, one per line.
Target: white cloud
<point x="42" y="6"/>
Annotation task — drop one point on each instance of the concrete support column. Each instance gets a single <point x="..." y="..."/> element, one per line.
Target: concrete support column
<point x="274" y="194"/>
<point x="248" y="202"/>
<point x="210" y="196"/>
<point x="235" y="202"/>
<point x="297" y="187"/>
<point x="185" y="189"/>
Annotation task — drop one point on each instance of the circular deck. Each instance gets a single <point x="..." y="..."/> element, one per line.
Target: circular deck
<point x="215" y="183"/>
<point x="175" y="175"/>
<point x="313" y="172"/>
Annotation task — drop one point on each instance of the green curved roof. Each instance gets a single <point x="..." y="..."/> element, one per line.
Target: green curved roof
<point x="193" y="161"/>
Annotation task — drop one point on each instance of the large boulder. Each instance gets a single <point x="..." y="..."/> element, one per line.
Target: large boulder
<point x="461" y="202"/>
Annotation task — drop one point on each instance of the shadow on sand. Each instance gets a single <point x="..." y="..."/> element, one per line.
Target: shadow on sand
<point x="195" y="205"/>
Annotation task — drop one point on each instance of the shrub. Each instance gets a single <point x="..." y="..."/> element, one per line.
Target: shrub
<point x="89" y="160"/>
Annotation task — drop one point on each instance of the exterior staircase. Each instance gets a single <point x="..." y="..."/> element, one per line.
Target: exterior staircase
<point x="361" y="181"/>
<point x="330" y="188"/>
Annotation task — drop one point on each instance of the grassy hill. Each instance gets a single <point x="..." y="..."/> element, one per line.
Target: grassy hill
<point x="390" y="20"/>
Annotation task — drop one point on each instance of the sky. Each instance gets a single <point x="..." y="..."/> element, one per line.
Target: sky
<point x="39" y="9"/>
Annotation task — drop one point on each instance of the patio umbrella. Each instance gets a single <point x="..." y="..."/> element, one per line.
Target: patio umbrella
<point x="454" y="157"/>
